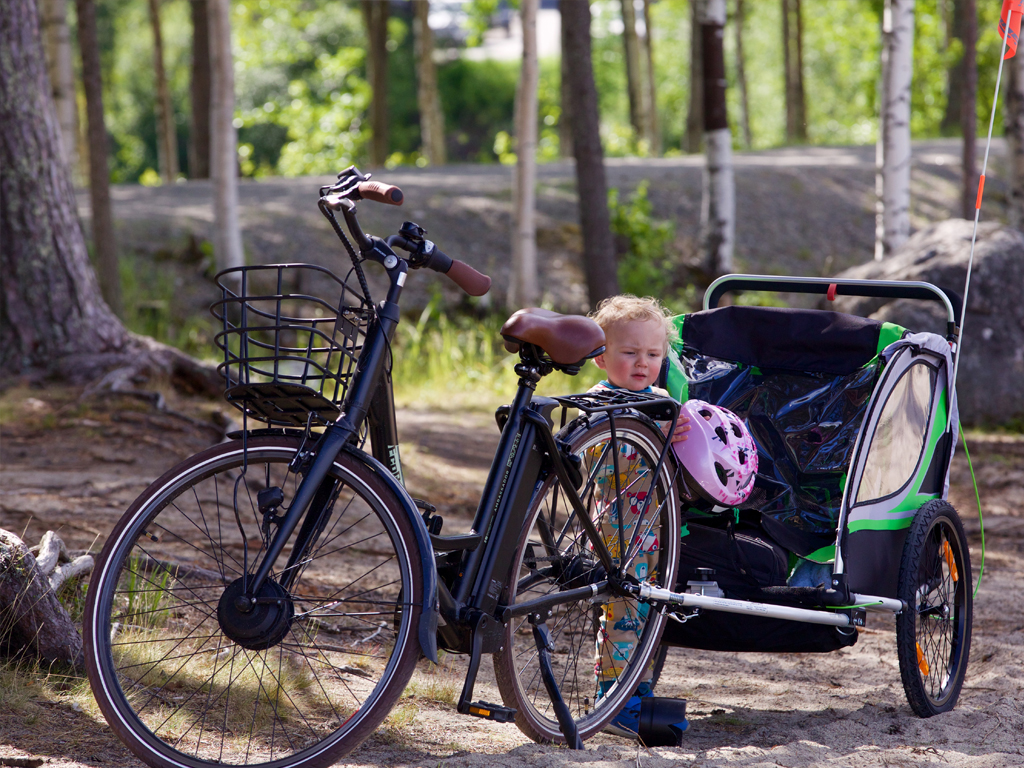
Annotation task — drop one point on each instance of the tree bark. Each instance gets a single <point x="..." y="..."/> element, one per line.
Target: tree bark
<point x="564" y="123"/>
<point x="199" y="135"/>
<point x="53" y="319"/>
<point x="595" y="224"/>
<point x="654" y="137"/>
<point x="1013" y="116"/>
<point x="523" y="289"/>
<point x="57" y="39"/>
<point x="375" y="13"/>
<point x="741" y="76"/>
<point x="427" y="95"/>
<point x="951" y="118"/>
<point x="634" y="88"/>
<point x="99" y="173"/>
<point x="167" y="138"/>
<point x="227" y="241"/>
<point x="718" y="206"/>
<point x="892" y="180"/>
<point x="31" y="617"/>
<point x="695" y="114"/>
<point x="793" y="57"/>
<point x="968" y="110"/>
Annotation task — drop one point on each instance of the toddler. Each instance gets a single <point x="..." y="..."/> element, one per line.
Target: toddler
<point x="637" y="334"/>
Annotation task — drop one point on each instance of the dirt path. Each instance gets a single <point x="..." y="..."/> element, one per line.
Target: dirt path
<point x="73" y="466"/>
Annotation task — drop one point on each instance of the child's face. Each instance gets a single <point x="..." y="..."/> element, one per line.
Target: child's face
<point x="633" y="353"/>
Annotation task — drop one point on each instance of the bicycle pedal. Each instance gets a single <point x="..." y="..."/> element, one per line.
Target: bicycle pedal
<point x="495" y="712"/>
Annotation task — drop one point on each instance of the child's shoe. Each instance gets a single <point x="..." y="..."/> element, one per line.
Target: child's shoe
<point x="627" y="722"/>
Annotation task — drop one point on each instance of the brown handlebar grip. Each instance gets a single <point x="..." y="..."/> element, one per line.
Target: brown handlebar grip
<point x="381" y="193"/>
<point x="468" y="279"/>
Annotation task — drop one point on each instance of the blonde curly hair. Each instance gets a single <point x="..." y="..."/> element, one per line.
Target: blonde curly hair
<point x="626" y="307"/>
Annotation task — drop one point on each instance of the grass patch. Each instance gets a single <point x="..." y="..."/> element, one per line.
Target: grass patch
<point x="394" y="729"/>
<point x="439" y="683"/>
<point x="439" y="356"/>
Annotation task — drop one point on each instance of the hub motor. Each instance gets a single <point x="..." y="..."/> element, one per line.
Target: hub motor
<point x="255" y="623"/>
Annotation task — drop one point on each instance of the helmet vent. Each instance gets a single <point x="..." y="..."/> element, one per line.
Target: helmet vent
<point x="736" y="431"/>
<point x="705" y="413"/>
<point x="723" y="475"/>
<point x="722" y="434"/>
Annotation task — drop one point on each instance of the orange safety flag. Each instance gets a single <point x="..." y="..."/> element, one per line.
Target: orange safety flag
<point x="1013" y="9"/>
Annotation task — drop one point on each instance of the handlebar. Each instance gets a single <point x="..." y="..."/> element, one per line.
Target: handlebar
<point x="423" y="253"/>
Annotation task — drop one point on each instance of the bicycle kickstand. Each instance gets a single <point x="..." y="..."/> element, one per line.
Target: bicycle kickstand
<point x="542" y="637"/>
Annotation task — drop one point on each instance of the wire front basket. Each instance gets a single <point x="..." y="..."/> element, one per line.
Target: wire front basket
<point x="288" y="354"/>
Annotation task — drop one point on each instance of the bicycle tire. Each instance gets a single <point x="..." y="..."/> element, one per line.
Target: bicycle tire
<point x="178" y="690"/>
<point x="574" y="627"/>
<point x="933" y="636"/>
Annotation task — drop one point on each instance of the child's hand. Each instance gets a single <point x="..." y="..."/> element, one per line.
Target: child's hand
<point x="679" y="433"/>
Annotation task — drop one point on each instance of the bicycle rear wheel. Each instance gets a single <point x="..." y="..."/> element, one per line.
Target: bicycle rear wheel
<point x="304" y="677"/>
<point x="554" y="553"/>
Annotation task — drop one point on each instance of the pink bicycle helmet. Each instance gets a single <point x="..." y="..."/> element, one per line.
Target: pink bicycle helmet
<point x="718" y="457"/>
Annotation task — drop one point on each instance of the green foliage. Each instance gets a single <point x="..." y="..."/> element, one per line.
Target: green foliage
<point x="440" y="355"/>
<point x="478" y="99"/>
<point x="647" y="267"/>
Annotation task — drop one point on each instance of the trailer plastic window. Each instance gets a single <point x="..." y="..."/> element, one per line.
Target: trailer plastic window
<point x="896" y="446"/>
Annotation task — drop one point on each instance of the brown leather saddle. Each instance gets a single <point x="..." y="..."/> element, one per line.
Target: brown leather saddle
<point x="566" y="339"/>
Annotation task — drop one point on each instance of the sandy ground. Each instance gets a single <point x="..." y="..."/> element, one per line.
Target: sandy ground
<point x="73" y="465"/>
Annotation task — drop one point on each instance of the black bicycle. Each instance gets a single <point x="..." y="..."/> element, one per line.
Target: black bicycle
<point x="265" y="602"/>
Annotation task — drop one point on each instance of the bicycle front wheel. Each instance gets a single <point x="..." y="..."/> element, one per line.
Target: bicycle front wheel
<point x="301" y="678"/>
<point x="602" y="650"/>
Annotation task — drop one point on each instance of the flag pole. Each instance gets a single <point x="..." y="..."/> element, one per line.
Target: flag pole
<point x="1009" y="7"/>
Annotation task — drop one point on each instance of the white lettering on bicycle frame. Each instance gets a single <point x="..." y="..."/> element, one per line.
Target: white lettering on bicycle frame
<point x="396" y="463"/>
<point x="504" y="480"/>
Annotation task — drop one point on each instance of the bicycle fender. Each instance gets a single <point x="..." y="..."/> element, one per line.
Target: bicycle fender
<point x="429" y="617"/>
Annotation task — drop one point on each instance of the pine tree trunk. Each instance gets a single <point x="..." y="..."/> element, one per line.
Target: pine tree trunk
<point x="375" y="13"/>
<point x="592" y="187"/>
<point x="427" y="95"/>
<point x="57" y="40"/>
<point x="741" y="76"/>
<point x="968" y="111"/>
<point x="654" y="137"/>
<point x="227" y="242"/>
<point x="695" y="114"/>
<point x="167" y="139"/>
<point x="199" y="135"/>
<point x="792" y="47"/>
<point x="634" y="89"/>
<point x="951" y="118"/>
<point x="1013" y="116"/>
<point x="99" y="173"/>
<point x="50" y="306"/>
<point x="893" y="162"/>
<point x="564" y="123"/>
<point x="523" y="290"/>
<point x="718" y="207"/>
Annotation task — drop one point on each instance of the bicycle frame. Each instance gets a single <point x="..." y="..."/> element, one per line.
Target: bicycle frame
<point x="473" y="619"/>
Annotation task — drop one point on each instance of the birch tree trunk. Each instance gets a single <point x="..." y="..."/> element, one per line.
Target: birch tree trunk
<point x="793" y="57"/>
<point x="969" y="111"/>
<point x="892" y="179"/>
<point x="634" y="79"/>
<point x="1013" y="116"/>
<point x="427" y="95"/>
<point x="376" y="14"/>
<point x="695" y="114"/>
<point x="167" y="139"/>
<point x="199" y="136"/>
<point x="57" y="42"/>
<point x="99" y="174"/>
<point x="654" y="137"/>
<point x="741" y="76"/>
<point x="718" y="205"/>
<point x="523" y="291"/>
<point x="227" y="239"/>
<point x="592" y="187"/>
